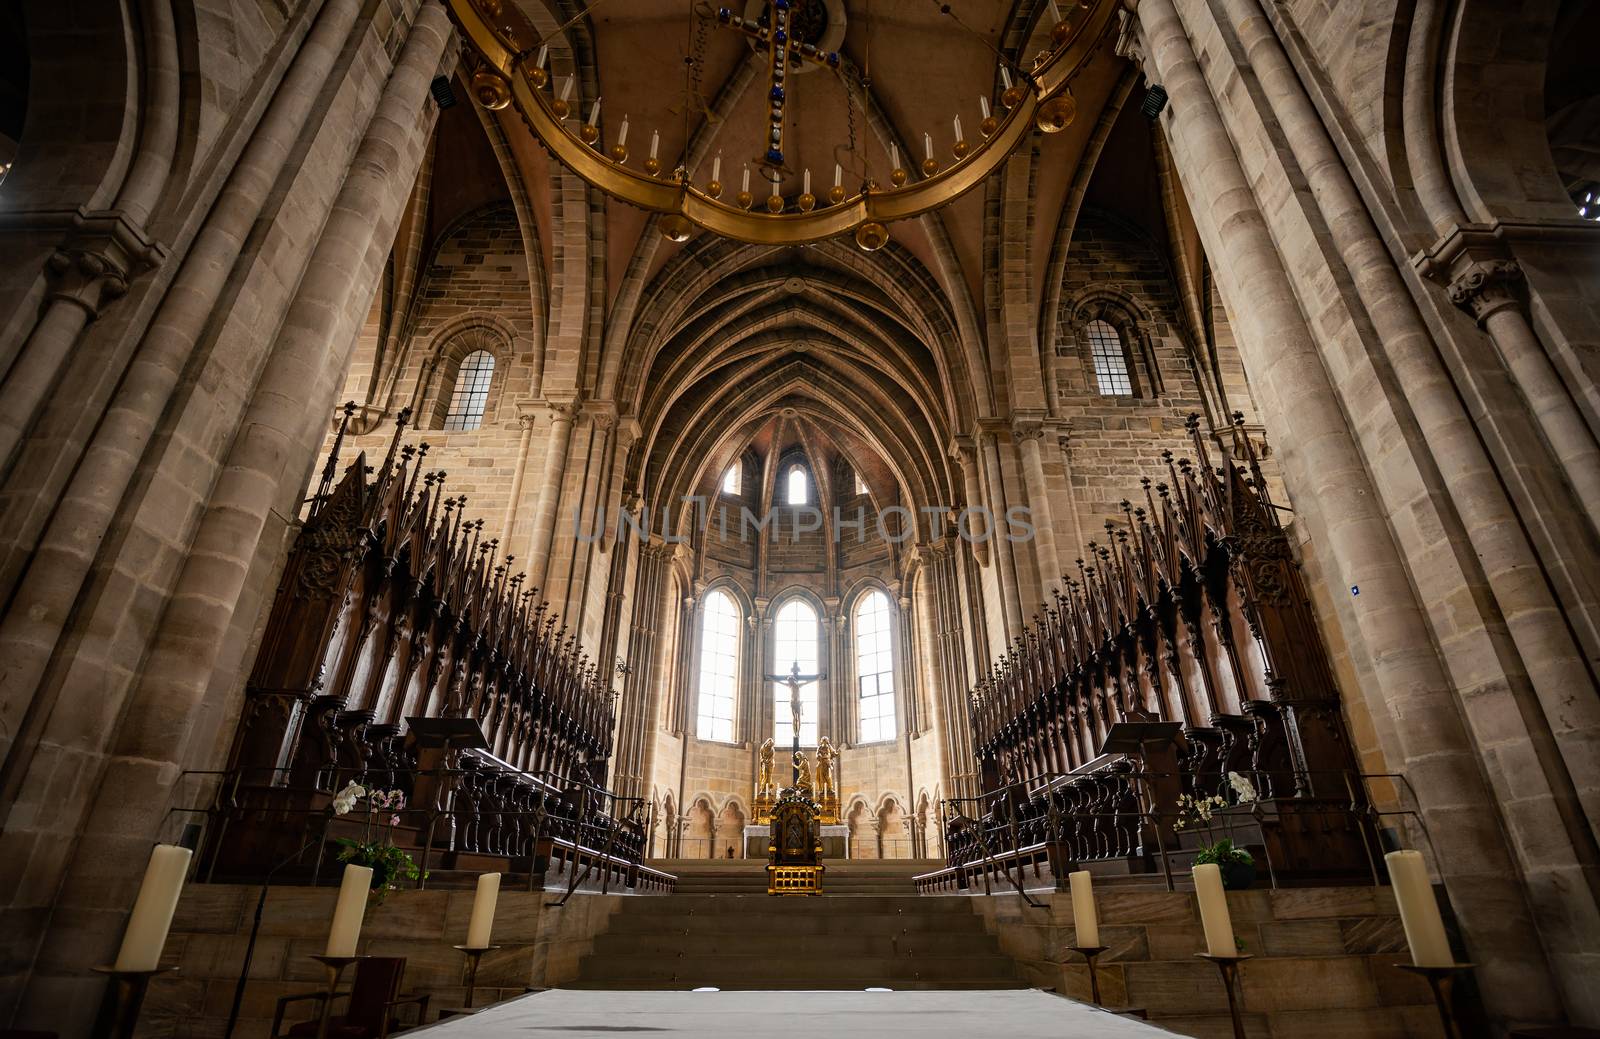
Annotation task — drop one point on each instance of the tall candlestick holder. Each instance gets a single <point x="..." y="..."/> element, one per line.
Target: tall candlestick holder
<point x="473" y="956"/>
<point x="1442" y="981"/>
<point x="1089" y="952"/>
<point x="335" y="966"/>
<point x="1229" y="966"/>
<point x="119" y="1011"/>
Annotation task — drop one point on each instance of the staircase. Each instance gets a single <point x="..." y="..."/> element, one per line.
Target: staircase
<point x="868" y="930"/>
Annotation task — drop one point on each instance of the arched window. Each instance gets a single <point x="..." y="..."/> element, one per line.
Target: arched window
<point x="471" y="393"/>
<point x="861" y="485"/>
<point x="795" y="491"/>
<point x="875" y="667"/>
<point x="719" y="664"/>
<point x="794" y="642"/>
<point x="1110" y="359"/>
<point x="730" y="479"/>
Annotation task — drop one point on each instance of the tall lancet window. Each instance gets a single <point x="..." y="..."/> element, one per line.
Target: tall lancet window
<point x="719" y="668"/>
<point x="1110" y="359"/>
<point x="875" y="667"/>
<point x="471" y="394"/>
<point x="794" y="642"/>
<point x="795" y="491"/>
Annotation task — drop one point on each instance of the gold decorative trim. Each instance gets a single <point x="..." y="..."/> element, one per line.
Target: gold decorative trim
<point x="658" y="194"/>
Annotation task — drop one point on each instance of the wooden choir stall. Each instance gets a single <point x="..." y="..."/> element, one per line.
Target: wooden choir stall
<point x="1191" y="613"/>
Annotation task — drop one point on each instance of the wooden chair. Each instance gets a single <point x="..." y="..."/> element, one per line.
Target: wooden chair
<point x="373" y="998"/>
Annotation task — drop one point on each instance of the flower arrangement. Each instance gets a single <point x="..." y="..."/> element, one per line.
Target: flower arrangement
<point x="388" y="863"/>
<point x="1195" y="813"/>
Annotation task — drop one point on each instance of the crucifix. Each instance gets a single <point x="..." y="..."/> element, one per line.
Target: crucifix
<point x="781" y="49"/>
<point x="794" y="680"/>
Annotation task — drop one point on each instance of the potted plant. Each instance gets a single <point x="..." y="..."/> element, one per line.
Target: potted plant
<point x="376" y="849"/>
<point x="1238" y="866"/>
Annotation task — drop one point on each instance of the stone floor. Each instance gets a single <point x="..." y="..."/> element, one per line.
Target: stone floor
<point x="1020" y="1014"/>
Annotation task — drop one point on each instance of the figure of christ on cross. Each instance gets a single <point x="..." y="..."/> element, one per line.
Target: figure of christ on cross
<point x="780" y="48"/>
<point x="794" y="680"/>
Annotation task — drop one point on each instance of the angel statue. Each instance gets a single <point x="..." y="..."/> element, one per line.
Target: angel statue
<point x="802" y="772"/>
<point x="764" y="783"/>
<point x="826" y="756"/>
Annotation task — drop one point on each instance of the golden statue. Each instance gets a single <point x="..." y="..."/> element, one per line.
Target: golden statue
<point x="826" y="756"/>
<point x="764" y="783"/>
<point x="802" y="772"/>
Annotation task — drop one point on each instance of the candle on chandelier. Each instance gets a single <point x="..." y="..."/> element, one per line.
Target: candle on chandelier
<point x="838" y="175"/>
<point x="1055" y="12"/>
<point x="566" y="92"/>
<point x="655" y="142"/>
<point x="1005" y="77"/>
<point x="774" y="189"/>
<point x="806" y="178"/>
<point x="746" y="179"/>
<point x="152" y="910"/>
<point x="983" y="105"/>
<point x="622" y="135"/>
<point x="927" y="145"/>
<point x="894" y="156"/>
<point x="716" y="167"/>
<point x="594" y="110"/>
<point x="544" y="53"/>
<point x="959" y="137"/>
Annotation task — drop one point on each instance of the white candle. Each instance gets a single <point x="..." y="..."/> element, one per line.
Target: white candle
<point x="746" y="179"/>
<point x="1085" y="922"/>
<point x="566" y="93"/>
<point x="152" y="910"/>
<point x="544" y="52"/>
<point x="348" y="912"/>
<point x="594" y="111"/>
<point x="716" y="167"/>
<point x="1419" y="909"/>
<point x="1055" y="12"/>
<point x="622" y="135"/>
<point x="774" y="188"/>
<point x="481" y="926"/>
<point x="959" y="137"/>
<point x="1005" y="77"/>
<point x="1214" y="910"/>
<point x="927" y="145"/>
<point x="655" y="142"/>
<point x="838" y="175"/>
<point x="894" y="156"/>
<point x="983" y="105"/>
<point x="806" y="178"/>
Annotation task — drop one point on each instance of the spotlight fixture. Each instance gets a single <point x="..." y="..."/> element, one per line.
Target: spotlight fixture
<point x="1155" y="99"/>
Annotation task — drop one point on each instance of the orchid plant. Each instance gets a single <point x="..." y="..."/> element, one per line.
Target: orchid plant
<point x="376" y="849"/>
<point x="1195" y="813"/>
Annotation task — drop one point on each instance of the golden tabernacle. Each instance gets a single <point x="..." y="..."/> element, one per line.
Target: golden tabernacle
<point x="795" y="847"/>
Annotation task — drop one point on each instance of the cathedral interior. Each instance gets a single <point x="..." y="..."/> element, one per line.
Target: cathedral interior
<point x="574" y="476"/>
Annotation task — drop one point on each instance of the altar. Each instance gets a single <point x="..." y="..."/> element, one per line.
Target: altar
<point x="835" y="840"/>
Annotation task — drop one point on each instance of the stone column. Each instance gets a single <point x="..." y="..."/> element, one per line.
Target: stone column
<point x="1490" y="290"/>
<point x="961" y="449"/>
<point x="1027" y="434"/>
<point x="508" y="527"/>
<point x="555" y="470"/>
<point x="1005" y="558"/>
<point x="1325" y="469"/>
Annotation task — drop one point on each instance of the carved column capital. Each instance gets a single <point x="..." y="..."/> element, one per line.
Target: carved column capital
<point x="1484" y="287"/>
<point x="1027" y="429"/>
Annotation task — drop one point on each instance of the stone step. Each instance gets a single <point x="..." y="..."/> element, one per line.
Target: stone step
<point x="854" y="905"/>
<point x="775" y="925"/>
<point x="780" y="971"/>
<point x="751" y="943"/>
